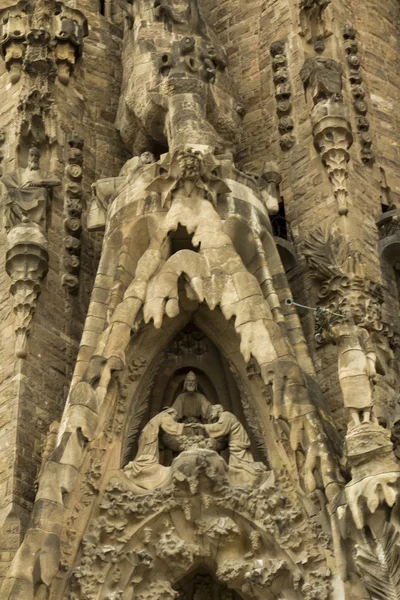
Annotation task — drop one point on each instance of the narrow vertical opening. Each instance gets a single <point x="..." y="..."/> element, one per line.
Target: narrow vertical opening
<point x="102" y="7"/>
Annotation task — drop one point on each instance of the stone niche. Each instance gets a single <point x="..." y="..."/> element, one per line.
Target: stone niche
<point x="190" y="352"/>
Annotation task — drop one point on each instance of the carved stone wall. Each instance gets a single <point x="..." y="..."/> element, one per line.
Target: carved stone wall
<point x="204" y="107"/>
<point x="33" y="390"/>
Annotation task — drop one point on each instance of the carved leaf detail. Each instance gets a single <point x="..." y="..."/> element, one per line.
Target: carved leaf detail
<point x="379" y="564"/>
<point x="328" y="251"/>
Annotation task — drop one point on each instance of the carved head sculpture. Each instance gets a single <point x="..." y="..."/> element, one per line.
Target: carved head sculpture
<point x="215" y="412"/>
<point x="170" y="411"/>
<point x="34" y="159"/>
<point x="147" y="158"/>
<point x="189" y="162"/>
<point x="190" y="384"/>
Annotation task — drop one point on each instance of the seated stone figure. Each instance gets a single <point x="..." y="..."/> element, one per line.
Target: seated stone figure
<point x="191" y="406"/>
<point x="25" y="193"/>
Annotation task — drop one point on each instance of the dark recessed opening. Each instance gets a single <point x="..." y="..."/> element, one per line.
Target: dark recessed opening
<point x="102" y="7"/>
<point x="182" y="240"/>
<point x="278" y="222"/>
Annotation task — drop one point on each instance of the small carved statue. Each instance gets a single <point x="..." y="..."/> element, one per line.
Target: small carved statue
<point x="191" y="405"/>
<point x="25" y="193"/>
<point x="323" y="76"/>
<point x="356" y="357"/>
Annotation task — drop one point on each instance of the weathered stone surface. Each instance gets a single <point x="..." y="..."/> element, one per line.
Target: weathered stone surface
<point x="199" y="260"/>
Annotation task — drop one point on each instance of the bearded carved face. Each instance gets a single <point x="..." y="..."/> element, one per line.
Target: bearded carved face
<point x="189" y="165"/>
<point x="191" y="382"/>
<point x="215" y="412"/>
<point x="34" y="159"/>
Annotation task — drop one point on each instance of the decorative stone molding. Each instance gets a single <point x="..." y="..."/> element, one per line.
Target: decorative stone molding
<point x="360" y="106"/>
<point x="269" y="182"/>
<point x="25" y="195"/>
<point x="69" y="27"/>
<point x="27" y="265"/>
<point x="282" y="94"/>
<point x="72" y="212"/>
<point x="389" y="236"/>
<point x="14" y="27"/>
<point x="322" y="80"/>
<point x="30" y="32"/>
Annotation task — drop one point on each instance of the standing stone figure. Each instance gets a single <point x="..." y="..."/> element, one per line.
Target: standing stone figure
<point x="191" y="405"/>
<point x="356" y="358"/>
<point x="25" y="193"/>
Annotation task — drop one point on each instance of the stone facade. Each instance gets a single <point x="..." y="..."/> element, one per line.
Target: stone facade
<point x="199" y="299"/>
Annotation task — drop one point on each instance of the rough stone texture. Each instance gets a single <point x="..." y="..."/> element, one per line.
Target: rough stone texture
<point x="265" y="143"/>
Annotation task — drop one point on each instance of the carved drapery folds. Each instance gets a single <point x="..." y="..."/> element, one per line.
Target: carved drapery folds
<point x="322" y="79"/>
<point x="188" y="238"/>
<point x="73" y="211"/>
<point x="30" y="32"/>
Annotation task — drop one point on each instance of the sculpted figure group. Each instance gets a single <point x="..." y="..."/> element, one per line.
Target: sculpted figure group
<point x="189" y="411"/>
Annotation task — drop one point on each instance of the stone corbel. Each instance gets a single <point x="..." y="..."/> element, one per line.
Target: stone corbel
<point x="269" y="182"/>
<point x="27" y="265"/>
<point x="333" y="139"/>
<point x="69" y="29"/>
<point x="14" y="27"/>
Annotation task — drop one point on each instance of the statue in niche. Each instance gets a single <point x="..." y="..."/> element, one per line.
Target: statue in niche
<point x="191" y="406"/>
<point x="224" y="423"/>
<point x="26" y="192"/>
